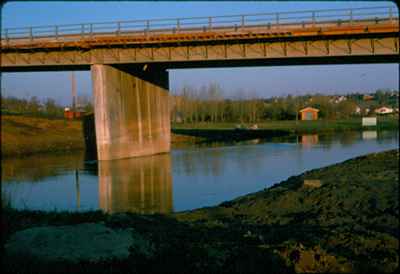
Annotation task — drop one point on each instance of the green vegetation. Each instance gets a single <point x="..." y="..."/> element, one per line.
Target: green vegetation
<point x="208" y="104"/>
<point x="348" y="223"/>
<point x="33" y="107"/>
<point x="228" y="131"/>
<point x="23" y="135"/>
<point x="39" y="108"/>
<point x="384" y="122"/>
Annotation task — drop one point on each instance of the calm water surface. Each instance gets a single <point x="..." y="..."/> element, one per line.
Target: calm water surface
<point x="185" y="179"/>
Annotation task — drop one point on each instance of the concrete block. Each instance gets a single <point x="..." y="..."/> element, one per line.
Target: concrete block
<point x="131" y="112"/>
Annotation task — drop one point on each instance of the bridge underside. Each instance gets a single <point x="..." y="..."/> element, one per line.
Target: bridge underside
<point x="294" y="61"/>
<point x="131" y="112"/>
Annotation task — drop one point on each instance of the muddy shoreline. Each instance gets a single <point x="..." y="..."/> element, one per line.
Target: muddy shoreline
<point x="348" y="222"/>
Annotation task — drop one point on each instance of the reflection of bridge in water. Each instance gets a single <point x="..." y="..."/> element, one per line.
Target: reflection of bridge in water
<point x="142" y="185"/>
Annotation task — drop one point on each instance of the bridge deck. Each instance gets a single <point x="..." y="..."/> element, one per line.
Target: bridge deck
<point x="162" y="36"/>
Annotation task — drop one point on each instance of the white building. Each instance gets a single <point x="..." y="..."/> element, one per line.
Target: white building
<point x="338" y="99"/>
<point x="383" y="110"/>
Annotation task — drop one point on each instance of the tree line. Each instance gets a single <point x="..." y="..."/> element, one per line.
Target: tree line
<point x="207" y="104"/>
<point x="33" y="106"/>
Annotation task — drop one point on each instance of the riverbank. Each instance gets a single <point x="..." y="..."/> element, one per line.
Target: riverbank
<point x="341" y="218"/>
<point x="270" y="129"/>
<point x="24" y="135"/>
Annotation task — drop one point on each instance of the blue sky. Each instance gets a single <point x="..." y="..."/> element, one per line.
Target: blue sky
<point x="264" y="81"/>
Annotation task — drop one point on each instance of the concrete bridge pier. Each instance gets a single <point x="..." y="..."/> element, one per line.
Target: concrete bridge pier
<point x="131" y="111"/>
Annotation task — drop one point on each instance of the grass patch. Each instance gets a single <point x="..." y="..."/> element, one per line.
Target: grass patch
<point x="22" y="135"/>
<point x="299" y="126"/>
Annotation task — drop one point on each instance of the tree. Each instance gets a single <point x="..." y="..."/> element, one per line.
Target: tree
<point x="34" y="105"/>
<point x="345" y="109"/>
<point x="51" y="108"/>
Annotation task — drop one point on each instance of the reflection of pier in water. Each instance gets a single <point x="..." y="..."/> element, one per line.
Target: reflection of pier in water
<point x="142" y="185"/>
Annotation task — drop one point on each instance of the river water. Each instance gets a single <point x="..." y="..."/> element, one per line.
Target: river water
<point x="187" y="178"/>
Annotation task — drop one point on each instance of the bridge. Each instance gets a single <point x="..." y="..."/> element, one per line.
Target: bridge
<point x="129" y="59"/>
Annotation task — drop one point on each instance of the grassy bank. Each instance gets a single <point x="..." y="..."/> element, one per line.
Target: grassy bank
<point x="346" y="222"/>
<point x="23" y="135"/>
<point x="278" y="128"/>
<point x="384" y="122"/>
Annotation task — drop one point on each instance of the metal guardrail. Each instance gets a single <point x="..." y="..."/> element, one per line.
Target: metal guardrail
<point x="179" y="25"/>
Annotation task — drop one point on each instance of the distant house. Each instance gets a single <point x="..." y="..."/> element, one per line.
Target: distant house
<point x="338" y="99"/>
<point x="71" y="114"/>
<point x="383" y="110"/>
<point x="309" y="113"/>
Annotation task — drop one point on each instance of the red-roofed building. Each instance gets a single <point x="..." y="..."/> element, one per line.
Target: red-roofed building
<point x="71" y="115"/>
<point x="309" y="113"/>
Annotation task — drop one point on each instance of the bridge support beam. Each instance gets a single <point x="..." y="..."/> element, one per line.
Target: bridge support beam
<point x="131" y="112"/>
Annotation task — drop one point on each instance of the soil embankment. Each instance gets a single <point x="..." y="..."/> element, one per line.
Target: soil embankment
<point x="341" y="218"/>
<point x="23" y="135"/>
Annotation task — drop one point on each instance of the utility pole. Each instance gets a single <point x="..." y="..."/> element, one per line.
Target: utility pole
<point x="73" y="91"/>
<point x="78" y="189"/>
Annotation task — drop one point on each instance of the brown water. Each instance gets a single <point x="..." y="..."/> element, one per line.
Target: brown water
<point x="184" y="179"/>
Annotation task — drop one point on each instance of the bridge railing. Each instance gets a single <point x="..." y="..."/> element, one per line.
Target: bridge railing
<point x="180" y="25"/>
